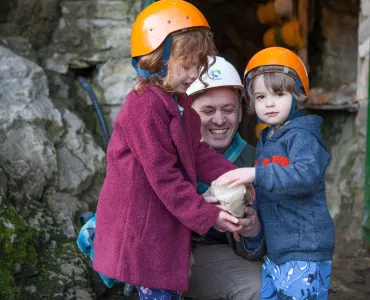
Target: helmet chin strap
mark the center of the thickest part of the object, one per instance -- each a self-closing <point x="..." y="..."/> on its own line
<point x="167" y="43"/>
<point x="165" y="58"/>
<point x="293" y="114"/>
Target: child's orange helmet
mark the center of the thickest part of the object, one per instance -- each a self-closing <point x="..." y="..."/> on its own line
<point x="277" y="59"/>
<point x="158" y="20"/>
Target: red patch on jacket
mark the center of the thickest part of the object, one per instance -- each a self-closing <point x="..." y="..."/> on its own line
<point x="280" y="160"/>
<point x="265" y="161"/>
<point x="276" y="159"/>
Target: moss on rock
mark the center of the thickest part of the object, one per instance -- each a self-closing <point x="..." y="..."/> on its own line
<point x="8" y="288"/>
<point x="17" y="246"/>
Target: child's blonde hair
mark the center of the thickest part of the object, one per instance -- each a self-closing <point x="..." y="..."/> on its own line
<point x="185" y="46"/>
<point x="277" y="82"/>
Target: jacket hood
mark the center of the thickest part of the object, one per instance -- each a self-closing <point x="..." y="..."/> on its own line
<point x="311" y="123"/>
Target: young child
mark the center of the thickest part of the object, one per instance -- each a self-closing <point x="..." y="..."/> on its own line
<point x="149" y="204"/>
<point x="289" y="178"/>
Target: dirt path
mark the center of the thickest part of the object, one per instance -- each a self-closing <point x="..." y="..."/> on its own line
<point x="351" y="275"/>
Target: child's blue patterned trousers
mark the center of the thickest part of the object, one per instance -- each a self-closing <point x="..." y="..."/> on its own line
<point x="295" y="280"/>
<point x="153" y="294"/>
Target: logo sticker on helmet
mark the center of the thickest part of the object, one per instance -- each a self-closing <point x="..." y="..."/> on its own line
<point x="216" y="74"/>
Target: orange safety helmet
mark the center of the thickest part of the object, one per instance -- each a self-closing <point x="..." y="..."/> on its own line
<point x="277" y="59"/>
<point x="158" y="20"/>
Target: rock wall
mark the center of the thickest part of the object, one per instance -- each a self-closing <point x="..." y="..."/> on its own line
<point x="53" y="170"/>
<point x="88" y="33"/>
<point x="51" y="166"/>
<point x="69" y="37"/>
<point x="339" y="133"/>
<point x="339" y="26"/>
<point x="345" y="133"/>
<point x="34" y="20"/>
<point x="111" y="82"/>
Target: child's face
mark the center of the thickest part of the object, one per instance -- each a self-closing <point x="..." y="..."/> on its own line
<point x="181" y="77"/>
<point x="271" y="107"/>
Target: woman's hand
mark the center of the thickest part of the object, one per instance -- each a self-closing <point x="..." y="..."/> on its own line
<point x="226" y="222"/>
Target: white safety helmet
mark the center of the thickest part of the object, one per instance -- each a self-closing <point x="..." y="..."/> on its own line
<point x="221" y="73"/>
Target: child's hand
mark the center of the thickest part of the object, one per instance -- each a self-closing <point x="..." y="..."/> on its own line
<point x="237" y="177"/>
<point x="227" y="222"/>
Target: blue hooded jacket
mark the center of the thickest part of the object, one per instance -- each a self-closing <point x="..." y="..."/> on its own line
<point x="290" y="188"/>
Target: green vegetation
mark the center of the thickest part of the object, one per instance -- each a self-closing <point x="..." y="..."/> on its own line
<point x="17" y="246"/>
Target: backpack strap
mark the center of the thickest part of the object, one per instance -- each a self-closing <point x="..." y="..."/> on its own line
<point x="91" y="233"/>
<point x="85" y="217"/>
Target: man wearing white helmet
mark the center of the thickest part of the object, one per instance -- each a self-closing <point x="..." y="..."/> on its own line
<point x="225" y="268"/>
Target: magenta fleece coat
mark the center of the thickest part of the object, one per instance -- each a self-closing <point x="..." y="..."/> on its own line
<point x="149" y="204"/>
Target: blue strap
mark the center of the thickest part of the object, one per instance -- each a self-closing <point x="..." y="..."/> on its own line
<point x="293" y="113"/>
<point x="91" y="232"/>
<point x="165" y="58"/>
<point x="166" y="55"/>
<point x="142" y="73"/>
<point x="86" y="217"/>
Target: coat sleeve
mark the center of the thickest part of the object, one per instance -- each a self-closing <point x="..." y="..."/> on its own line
<point x="210" y="165"/>
<point x="241" y="249"/>
<point x="146" y="126"/>
<point x="256" y="254"/>
<point x="308" y="160"/>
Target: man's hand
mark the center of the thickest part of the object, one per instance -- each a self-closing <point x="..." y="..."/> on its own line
<point x="250" y="224"/>
<point x="227" y="222"/>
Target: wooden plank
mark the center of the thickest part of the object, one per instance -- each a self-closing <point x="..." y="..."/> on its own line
<point x="363" y="67"/>
<point x="348" y="107"/>
<point x="364" y="48"/>
<point x="364" y="30"/>
<point x="362" y="80"/>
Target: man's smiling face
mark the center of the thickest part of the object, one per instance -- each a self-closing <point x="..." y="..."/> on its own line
<point x="220" y="113"/>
